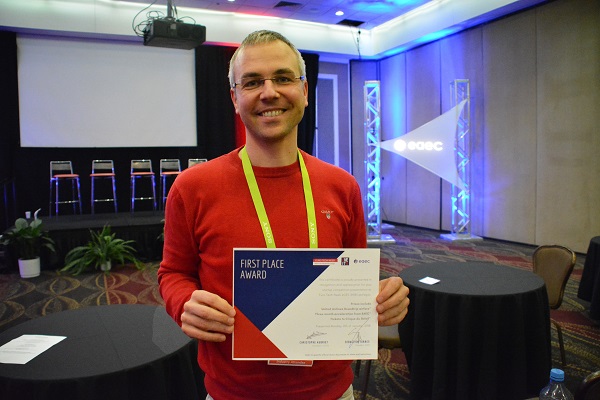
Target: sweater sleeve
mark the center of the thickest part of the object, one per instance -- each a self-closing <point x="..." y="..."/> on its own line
<point x="178" y="271"/>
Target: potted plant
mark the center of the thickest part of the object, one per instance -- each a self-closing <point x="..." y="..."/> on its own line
<point x="101" y="251"/>
<point x="28" y="239"/>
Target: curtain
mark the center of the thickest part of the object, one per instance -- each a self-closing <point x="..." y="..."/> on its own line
<point x="9" y="102"/>
<point x="9" y="127"/>
<point x="214" y="109"/>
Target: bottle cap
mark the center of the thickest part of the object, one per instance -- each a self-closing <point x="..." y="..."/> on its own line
<point x="557" y="375"/>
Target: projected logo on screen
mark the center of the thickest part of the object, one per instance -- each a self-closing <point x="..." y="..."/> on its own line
<point x="432" y="146"/>
<point x="402" y="145"/>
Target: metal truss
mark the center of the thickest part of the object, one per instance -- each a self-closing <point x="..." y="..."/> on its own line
<point x="461" y="199"/>
<point x="373" y="158"/>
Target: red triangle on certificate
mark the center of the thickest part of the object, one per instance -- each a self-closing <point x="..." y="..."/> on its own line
<point x="250" y="342"/>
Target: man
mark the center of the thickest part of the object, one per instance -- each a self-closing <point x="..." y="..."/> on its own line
<point x="211" y="210"/>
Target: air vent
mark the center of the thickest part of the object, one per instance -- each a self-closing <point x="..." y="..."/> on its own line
<point x="350" y="22"/>
<point x="287" y="4"/>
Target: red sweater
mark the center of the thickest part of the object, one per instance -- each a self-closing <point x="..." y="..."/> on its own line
<point x="209" y="212"/>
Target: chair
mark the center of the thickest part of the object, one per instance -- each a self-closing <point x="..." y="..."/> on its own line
<point x="169" y="167"/>
<point x="194" y="161"/>
<point x="103" y="170"/>
<point x="388" y="338"/>
<point x="589" y="388"/>
<point x="142" y="169"/>
<point x="554" y="264"/>
<point x="62" y="171"/>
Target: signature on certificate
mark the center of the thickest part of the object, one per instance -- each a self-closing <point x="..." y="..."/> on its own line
<point x="355" y="334"/>
<point x="315" y="334"/>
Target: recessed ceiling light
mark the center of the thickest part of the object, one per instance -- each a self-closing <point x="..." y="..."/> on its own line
<point x="339" y="13"/>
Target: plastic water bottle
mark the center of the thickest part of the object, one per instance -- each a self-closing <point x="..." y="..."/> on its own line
<point x="556" y="389"/>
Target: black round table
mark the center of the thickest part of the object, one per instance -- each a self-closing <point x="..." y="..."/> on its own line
<point x="481" y="332"/>
<point x="589" y="286"/>
<point x="110" y="352"/>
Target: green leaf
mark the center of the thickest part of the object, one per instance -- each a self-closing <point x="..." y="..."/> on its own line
<point x="103" y="246"/>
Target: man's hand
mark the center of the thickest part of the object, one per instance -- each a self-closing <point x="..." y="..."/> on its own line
<point x="207" y="317"/>
<point x="392" y="301"/>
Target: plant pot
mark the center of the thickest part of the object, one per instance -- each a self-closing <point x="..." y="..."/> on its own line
<point x="29" y="268"/>
<point x="105" y="266"/>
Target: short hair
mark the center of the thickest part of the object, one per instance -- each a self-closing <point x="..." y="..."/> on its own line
<point x="262" y="37"/>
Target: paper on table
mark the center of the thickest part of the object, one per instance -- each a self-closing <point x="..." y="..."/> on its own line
<point x="429" y="280"/>
<point x="23" y="349"/>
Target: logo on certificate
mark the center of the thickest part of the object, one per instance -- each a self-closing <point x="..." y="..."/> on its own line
<point x="345" y="261"/>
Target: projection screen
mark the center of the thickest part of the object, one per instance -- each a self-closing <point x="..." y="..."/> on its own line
<point x="93" y="93"/>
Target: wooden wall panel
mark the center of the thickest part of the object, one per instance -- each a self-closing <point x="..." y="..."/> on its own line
<point x="423" y="99"/>
<point x="568" y="110"/>
<point x="509" y="148"/>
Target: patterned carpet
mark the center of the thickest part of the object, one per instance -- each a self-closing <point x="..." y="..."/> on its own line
<point x="24" y="299"/>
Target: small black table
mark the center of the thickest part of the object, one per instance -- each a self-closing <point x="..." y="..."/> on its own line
<point x="111" y="352"/>
<point x="482" y="332"/>
<point x="589" y="286"/>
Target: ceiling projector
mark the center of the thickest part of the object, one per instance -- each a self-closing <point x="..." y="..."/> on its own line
<point x="168" y="32"/>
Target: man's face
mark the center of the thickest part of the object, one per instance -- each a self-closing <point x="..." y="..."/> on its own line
<point x="270" y="111"/>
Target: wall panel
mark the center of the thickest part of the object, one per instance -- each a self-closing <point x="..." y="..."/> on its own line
<point x="568" y="153"/>
<point x="393" y="125"/>
<point x="423" y="97"/>
<point x="343" y="90"/>
<point x="509" y="167"/>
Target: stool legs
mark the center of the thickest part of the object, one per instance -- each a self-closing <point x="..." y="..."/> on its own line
<point x="94" y="200"/>
<point x="55" y="195"/>
<point x="132" y="184"/>
<point x="114" y="188"/>
<point x="164" y="190"/>
<point x="164" y="183"/>
<point x="134" y="178"/>
<point x="50" y="202"/>
<point x="75" y="186"/>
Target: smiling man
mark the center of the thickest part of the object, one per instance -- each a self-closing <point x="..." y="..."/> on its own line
<point x="267" y="193"/>
<point x="270" y="96"/>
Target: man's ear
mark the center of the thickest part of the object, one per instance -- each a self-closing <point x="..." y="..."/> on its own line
<point x="305" y="93"/>
<point x="234" y="100"/>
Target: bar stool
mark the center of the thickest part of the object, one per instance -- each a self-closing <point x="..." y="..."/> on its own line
<point x="141" y="169"/>
<point x="103" y="170"/>
<point x="194" y="161"/>
<point x="63" y="171"/>
<point x="169" y="167"/>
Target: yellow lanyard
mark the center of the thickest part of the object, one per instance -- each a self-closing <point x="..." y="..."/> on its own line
<point x="260" y="207"/>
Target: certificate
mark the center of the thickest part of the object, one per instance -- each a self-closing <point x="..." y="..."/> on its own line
<point x="305" y="304"/>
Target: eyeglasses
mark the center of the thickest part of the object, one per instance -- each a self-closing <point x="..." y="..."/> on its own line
<point x="253" y="83"/>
